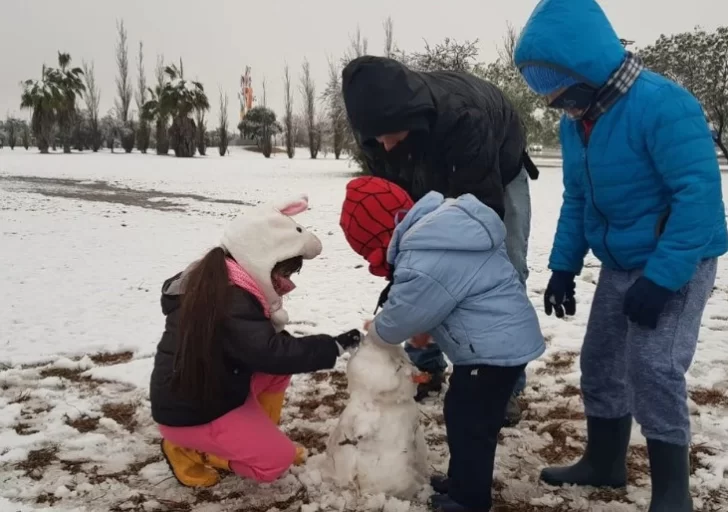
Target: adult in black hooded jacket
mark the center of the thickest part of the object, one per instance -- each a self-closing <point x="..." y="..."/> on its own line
<point x="446" y="131"/>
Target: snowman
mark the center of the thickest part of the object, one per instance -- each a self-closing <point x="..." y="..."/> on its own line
<point x="378" y="445"/>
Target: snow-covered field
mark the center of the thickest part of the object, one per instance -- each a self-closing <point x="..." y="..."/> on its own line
<point x="85" y="243"/>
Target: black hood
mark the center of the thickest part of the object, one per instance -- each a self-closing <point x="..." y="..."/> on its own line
<point x="384" y="96"/>
<point x="172" y="291"/>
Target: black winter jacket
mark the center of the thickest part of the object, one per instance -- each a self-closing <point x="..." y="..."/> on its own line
<point x="248" y="343"/>
<point x="465" y="136"/>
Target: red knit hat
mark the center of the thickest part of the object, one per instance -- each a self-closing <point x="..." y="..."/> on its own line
<point x="372" y="208"/>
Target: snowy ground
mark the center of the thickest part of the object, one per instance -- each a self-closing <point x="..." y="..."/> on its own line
<point x="85" y="243"/>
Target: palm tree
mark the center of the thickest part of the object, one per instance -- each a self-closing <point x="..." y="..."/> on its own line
<point x="178" y="98"/>
<point x="43" y="97"/>
<point x="154" y="110"/>
<point x="71" y="84"/>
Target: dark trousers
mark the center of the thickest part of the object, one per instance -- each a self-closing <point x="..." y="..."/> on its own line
<point x="475" y="404"/>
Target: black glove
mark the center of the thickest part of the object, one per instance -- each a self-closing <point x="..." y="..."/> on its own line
<point x="349" y="339"/>
<point x="559" y="295"/>
<point x="644" y="302"/>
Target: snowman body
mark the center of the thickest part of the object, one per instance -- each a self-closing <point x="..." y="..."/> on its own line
<point x="378" y="446"/>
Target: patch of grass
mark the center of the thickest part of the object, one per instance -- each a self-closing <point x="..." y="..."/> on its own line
<point x="21" y="398"/>
<point x="709" y="397"/>
<point x="206" y="496"/>
<point x="559" y="449"/>
<point x="561" y="412"/>
<point x="696" y="451"/>
<point x="46" y="498"/>
<point x="338" y="380"/>
<point x="37" y="461"/>
<point x="300" y="497"/>
<point x="62" y="373"/>
<point x="320" y="376"/>
<point x="436" y="439"/>
<point x="122" y="476"/>
<point x="83" y="424"/>
<point x="109" y="358"/>
<point x="308" y="407"/>
<point x="24" y="429"/>
<point x="122" y="413"/>
<point x="74" y="467"/>
<point x="608" y="495"/>
<point x="638" y="465"/>
<point x="309" y="438"/>
<point x="560" y="362"/>
<point x="336" y="401"/>
<point x="570" y="390"/>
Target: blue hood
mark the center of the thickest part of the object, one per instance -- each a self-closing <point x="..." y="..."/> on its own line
<point x="572" y="36"/>
<point x="438" y="224"/>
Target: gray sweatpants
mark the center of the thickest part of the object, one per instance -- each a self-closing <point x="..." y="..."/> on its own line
<point x="627" y="369"/>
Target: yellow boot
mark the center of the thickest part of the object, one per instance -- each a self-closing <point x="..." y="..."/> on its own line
<point x="216" y="462"/>
<point x="301" y="455"/>
<point x="272" y="404"/>
<point x="188" y="466"/>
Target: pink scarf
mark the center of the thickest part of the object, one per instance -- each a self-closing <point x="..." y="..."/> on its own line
<point x="240" y="278"/>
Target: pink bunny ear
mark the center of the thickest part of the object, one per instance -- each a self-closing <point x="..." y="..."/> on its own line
<point x="294" y="206"/>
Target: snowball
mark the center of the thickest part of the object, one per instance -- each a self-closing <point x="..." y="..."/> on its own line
<point x="378" y="445"/>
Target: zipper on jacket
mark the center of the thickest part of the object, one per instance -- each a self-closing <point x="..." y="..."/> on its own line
<point x="585" y="142"/>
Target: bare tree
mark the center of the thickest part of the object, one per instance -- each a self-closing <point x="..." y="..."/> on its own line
<point x="93" y="98"/>
<point x="507" y="49"/>
<point x="223" y="124"/>
<point x="143" y="131"/>
<point x="335" y="110"/>
<point x="160" y="129"/>
<point x="389" y="37"/>
<point x="124" y="88"/>
<point x="201" y="131"/>
<point x="288" y="127"/>
<point x="308" y="91"/>
<point x="267" y="138"/>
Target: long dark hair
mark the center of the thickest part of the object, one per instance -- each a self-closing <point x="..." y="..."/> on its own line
<point x="204" y="304"/>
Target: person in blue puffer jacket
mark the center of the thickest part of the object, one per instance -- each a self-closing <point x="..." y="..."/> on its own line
<point x="642" y="190"/>
<point x="451" y="278"/>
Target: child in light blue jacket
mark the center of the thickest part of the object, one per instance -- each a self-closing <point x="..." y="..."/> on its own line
<point x="450" y="277"/>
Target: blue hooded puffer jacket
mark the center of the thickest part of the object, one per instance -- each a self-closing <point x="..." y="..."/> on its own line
<point x="645" y="191"/>
<point x="453" y="280"/>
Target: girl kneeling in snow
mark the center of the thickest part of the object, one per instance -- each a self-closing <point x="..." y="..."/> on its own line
<point x="450" y="277"/>
<point x="224" y="361"/>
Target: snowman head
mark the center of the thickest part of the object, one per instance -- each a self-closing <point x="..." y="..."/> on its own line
<point x="382" y="374"/>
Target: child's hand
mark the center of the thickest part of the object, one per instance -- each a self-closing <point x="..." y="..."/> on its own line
<point x="367" y="325"/>
<point x="420" y="340"/>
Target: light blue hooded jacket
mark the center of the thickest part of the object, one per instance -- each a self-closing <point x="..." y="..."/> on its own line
<point x="645" y="191"/>
<point x="453" y="280"/>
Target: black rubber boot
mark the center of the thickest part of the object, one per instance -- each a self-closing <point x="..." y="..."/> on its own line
<point x="670" y="474"/>
<point x="440" y="484"/>
<point x="513" y="413"/>
<point x="604" y="463"/>
<point x="433" y="386"/>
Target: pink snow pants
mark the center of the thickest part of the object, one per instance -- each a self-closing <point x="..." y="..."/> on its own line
<point x="245" y="436"/>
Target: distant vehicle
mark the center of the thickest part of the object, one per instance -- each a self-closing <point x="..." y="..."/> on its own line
<point x="535" y="148"/>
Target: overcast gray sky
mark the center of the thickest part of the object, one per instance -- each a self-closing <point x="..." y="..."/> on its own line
<point x="218" y="38"/>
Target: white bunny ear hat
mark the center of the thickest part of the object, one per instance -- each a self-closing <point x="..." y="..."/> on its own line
<point x="265" y="236"/>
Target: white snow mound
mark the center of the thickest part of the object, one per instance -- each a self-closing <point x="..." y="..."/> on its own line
<point x="378" y="446"/>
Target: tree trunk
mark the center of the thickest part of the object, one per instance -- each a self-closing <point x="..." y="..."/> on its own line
<point x="162" y="137"/>
<point x="182" y="137"/>
<point x="43" y="128"/>
<point x="722" y="147"/>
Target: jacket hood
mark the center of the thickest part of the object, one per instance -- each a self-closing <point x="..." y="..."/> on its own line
<point x="439" y="224"/>
<point x="172" y="291"/>
<point x="384" y="96"/>
<point x="572" y="36"/>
